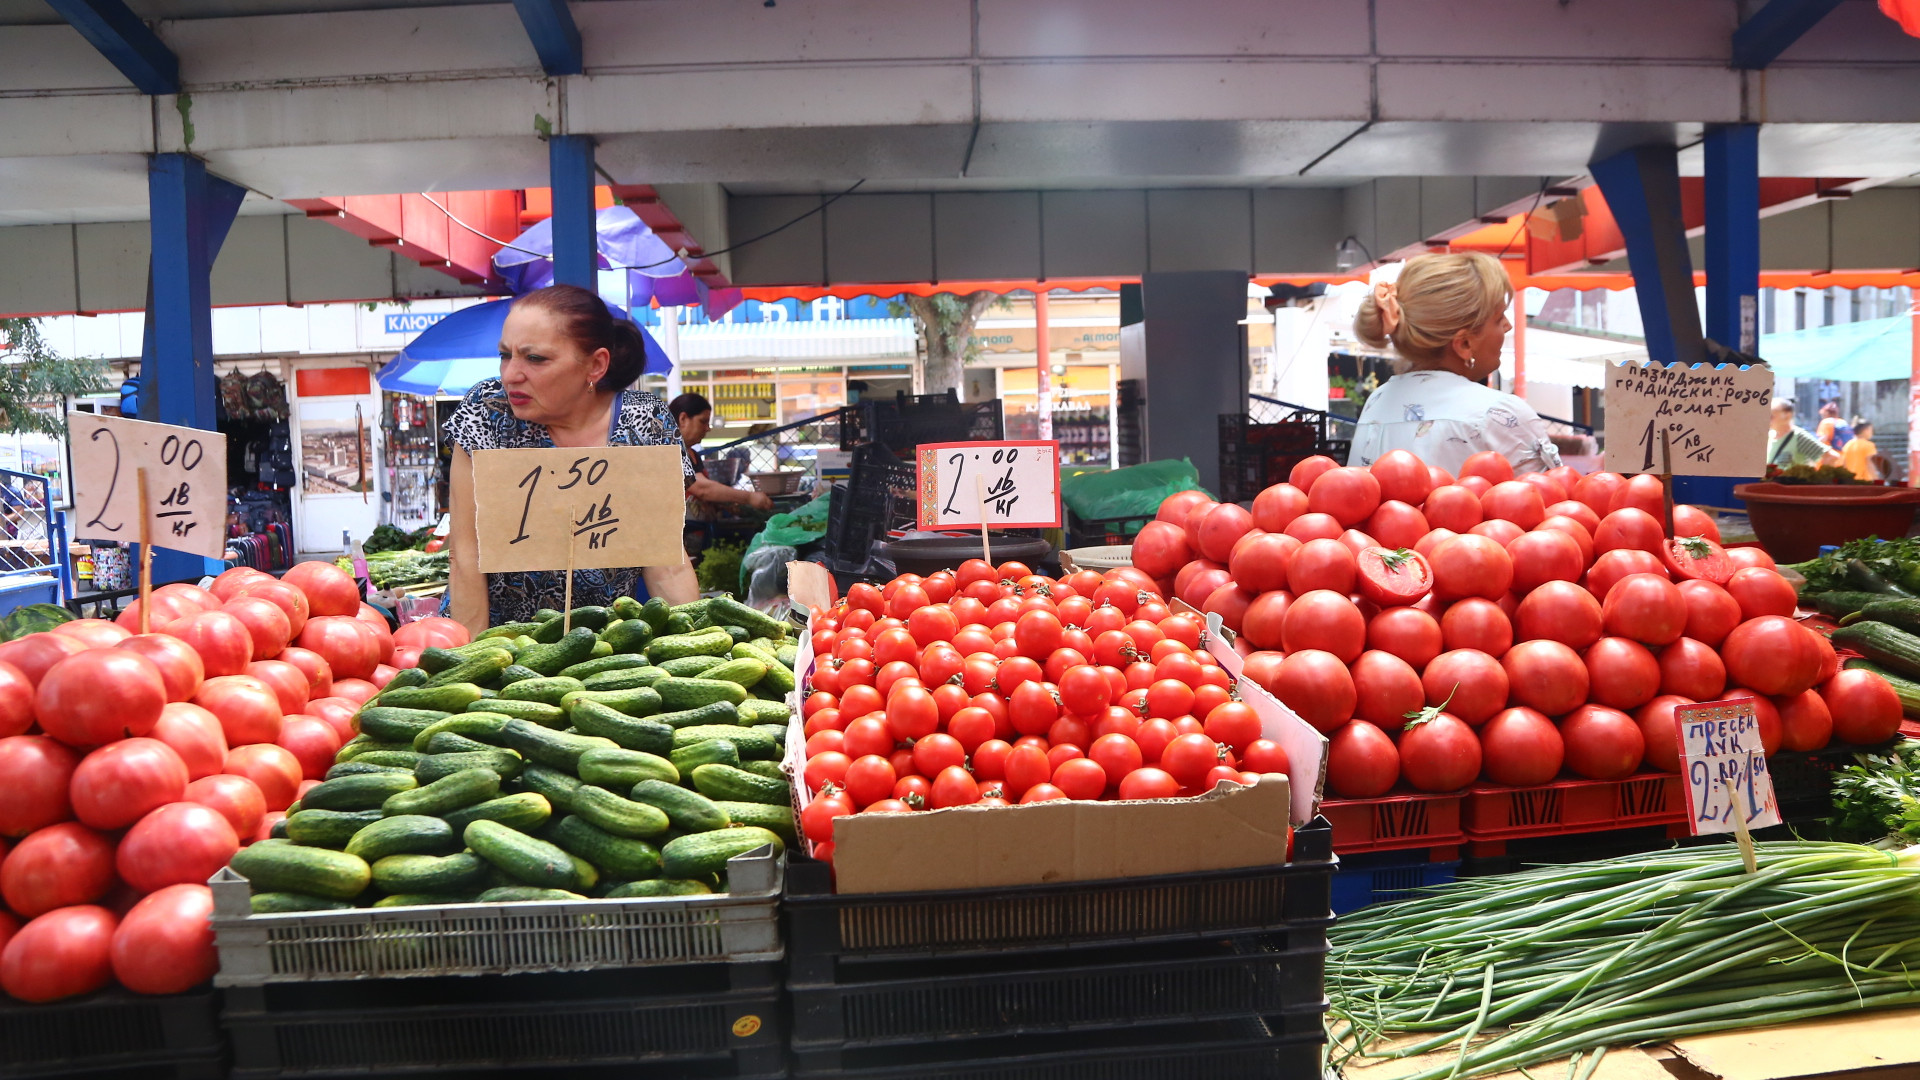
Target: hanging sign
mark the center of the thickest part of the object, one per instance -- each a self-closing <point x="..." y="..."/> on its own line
<point x="186" y="482"/>
<point x="560" y="507"/>
<point x="1715" y="418"/>
<point x="1004" y="485"/>
<point x="1728" y="786"/>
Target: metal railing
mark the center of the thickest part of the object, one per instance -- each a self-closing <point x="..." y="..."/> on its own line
<point x="33" y="536"/>
<point x="788" y="446"/>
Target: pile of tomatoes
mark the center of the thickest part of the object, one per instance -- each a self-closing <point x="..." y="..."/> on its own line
<point x="994" y="685"/>
<point x="133" y="766"/>
<point x="1444" y="630"/>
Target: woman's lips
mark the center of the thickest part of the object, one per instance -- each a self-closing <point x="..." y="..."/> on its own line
<point x="518" y="399"/>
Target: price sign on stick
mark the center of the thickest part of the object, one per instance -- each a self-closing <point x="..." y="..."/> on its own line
<point x="186" y="483"/>
<point x="570" y="507"/>
<point x="1728" y="786"/>
<point x="1006" y="485"/>
<point x="1715" y="419"/>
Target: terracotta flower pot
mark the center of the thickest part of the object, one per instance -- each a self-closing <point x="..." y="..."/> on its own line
<point x="1792" y="521"/>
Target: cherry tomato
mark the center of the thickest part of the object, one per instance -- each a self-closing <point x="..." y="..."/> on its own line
<point x="975" y="570"/>
<point x="882" y="806"/>
<point x="1183" y="628"/>
<point x="1265" y="756"/>
<point x="1080" y="778"/>
<point x="1084" y="691"/>
<point x="1153" y="737"/>
<point x="866" y="597"/>
<point x="913" y="790"/>
<point x="937" y="752"/>
<point x="1058" y="754"/>
<point x="815" y="702"/>
<point x="870" y="734"/>
<point x="1042" y="792"/>
<point x="980" y="673"/>
<point x="869" y="779"/>
<point x="1188" y="757"/>
<point x="954" y="786"/>
<point x="1115" y="720"/>
<point x="1233" y="724"/>
<point x="941" y="662"/>
<point x="935" y="622"/>
<point x="1074" y="611"/>
<point x="1104" y="618"/>
<point x="1037" y="632"/>
<point x="990" y="759"/>
<point x="1149" y="783"/>
<point x="896" y="673"/>
<point x="1144" y="634"/>
<point x="1015" y="671"/>
<point x="1209" y="696"/>
<point x="1061" y="660"/>
<point x="1168" y="698"/>
<point x="825" y="720"/>
<point x="1069" y="730"/>
<point x="855" y="672"/>
<point x="912" y="714"/>
<point x="971" y="726"/>
<point x="827" y="766"/>
<point x="816" y="820"/>
<point x="902" y="761"/>
<point x="997" y="705"/>
<point x="822" y="741"/>
<point x="1014" y="571"/>
<point x="1113" y="648"/>
<point x="1026" y="766"/>
<point x="1220" y="773"/>
<point x="1117" y="754"/>
<point x="1033" y="708"/>
<point x="1167" y="647"/>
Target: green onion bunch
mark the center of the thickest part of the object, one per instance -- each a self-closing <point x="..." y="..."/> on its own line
<point x="1565" y="961"/>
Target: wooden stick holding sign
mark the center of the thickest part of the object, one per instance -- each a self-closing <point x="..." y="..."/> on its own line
<point x="146" y="550"/>
<point x="1666" y="480"/>
<point x="980" y="500"/>
<point x="1740" y="831"/>
<point x="566" y="604"/>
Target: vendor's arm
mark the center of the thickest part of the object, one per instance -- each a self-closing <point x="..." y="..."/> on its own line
<point x="707" y="489"/>
<point x="1517" y="433"/>
<point x="466" y="585"/>
<point x="674" y="584"/>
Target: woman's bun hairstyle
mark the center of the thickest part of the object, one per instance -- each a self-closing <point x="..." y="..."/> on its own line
<point x="1368" y="326"/>
<point x="1438" y="296"/>
<point x="591" y="325"/>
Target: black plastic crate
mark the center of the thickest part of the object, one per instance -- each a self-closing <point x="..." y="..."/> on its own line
<point x="878" y="496"/>
<point x="1803" y="780"/>
<point x="1174" y="982"/>
<point x="826" y="930"/>
<point x="693" y="1022"/>
<point x="1098" y="532"/>
<point x="102" y="1033"/>
<point x="1282" y="1048"/>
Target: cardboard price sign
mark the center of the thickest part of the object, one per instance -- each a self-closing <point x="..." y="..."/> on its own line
<point x="970" y="485"/>
<point x="186" y="482"/>
<point x="1715" y="419"/>
<point x="561" y="507"/>
<point x="1728" y="786"/>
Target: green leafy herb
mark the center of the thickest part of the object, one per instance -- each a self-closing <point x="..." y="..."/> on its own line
<point x="1880" y="796"/>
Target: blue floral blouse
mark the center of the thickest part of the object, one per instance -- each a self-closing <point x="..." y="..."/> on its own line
<point x="484" y="421"/>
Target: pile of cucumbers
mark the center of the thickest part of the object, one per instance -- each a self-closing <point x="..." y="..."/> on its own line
<point x="632" y="754"/>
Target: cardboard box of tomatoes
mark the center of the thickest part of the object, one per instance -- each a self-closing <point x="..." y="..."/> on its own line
<point x="972" y="847"/>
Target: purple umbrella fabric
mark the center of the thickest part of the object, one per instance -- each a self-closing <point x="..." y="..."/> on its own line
<point x="654" y="271"/>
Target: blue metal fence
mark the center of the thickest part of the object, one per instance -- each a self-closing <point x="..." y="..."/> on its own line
<point x="33" y="542"/>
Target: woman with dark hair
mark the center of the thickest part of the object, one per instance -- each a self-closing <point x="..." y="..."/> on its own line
<point x="567" y="368"/>
<point x="694" y="415"/>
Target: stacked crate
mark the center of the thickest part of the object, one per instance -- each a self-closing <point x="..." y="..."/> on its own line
<point x="1218" y="973"/>
<point x="176" y="1036"/>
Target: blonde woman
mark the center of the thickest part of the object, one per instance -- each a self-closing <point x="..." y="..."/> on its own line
<point x="1446" y="318"/>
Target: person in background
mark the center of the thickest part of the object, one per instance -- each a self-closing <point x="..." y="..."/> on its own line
<point x="694" y="415"/>
<point x="1832" y="430"/>
<point x="1860" y="456"/>
<point x="1789" y="445"/>
<point x="1446" y="318"/>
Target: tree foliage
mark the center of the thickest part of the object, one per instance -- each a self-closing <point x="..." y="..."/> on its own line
<point x="945" y="323"/>
<point x="33" y="374"/>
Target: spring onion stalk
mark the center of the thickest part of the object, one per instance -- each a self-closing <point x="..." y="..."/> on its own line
<point x="1559" y="961"/>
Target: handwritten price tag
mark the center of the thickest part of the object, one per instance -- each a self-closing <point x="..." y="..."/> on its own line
<point x="1720" y="754"/>
<point x="1017" y="482"/>
<point x="613" y="506"/>
<point x="186" y="482"/>
<point x="1715" y="418"/>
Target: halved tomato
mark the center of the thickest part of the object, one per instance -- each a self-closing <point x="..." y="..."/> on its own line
<point x="1394" y="578"/>
<point x="1696" y="557"/>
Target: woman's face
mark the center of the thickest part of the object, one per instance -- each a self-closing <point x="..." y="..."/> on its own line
<point x="548" y="378"/>
<point x="1475" y="354"/>
<point x="695" y="428"/>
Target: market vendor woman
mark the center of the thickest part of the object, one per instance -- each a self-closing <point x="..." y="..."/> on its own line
<point x="567" y="367"/>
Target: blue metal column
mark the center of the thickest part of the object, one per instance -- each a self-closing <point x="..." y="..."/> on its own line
<point x="1642" y="188"/>
<point x="1733" y="235"/>
<point x="191" y="213"/>
<point x="570" y="169"/>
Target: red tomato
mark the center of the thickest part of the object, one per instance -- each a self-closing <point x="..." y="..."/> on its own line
<point x="1546" y="675"/>
<point x="1865" y="709"/>
<point x="1397" y="524"/>
<point x="909" y="599"/>
<point x="267" y="626"/>
<point x="181" y="669"/>
<point x="1513" y="501"/>
<point x="1466" y="683"/>
<point x="1632" y="528"/>
<point x="1642" y="491"/>
<point x="1470" y="565"/>
<point x="1401" y="476"/>
<point x="1386" y="689"/>
<point x="1265" y="756"/>
<point x="824" y="740"/>
<point x="17" y="696"/>
<point x="1452" y="507"/>
<point x="1439" y="754"/>
<point x="1660" y="730"/>
<point x="896" y="675"/>
<point x="825" y="767"/>
<point x="273" y="769"/>
<point x="1498" y="530"/>
<point x="1079" y="778"/>
<point x="195" y="735"/>
<point x="869" y="779"/>
<point x="1712" y="612"/>
<point x="1578" y="512"/>
<point x="870" y="734"/>
<point x="312" y="741"/>
<point x="1232" y="723"/>
<point x="1038" y="633"/>
<point x="1231" y="603"/>
<point x="1265" y="619"/>
<point x="223" y="641"/>
<point x="895" y="646"/>
<point x="289" y="598"/>
<point x="1309" y="470"/>
<point x="227" y="585"/>
<point x="954" y="786"/>
<point x="1647" y="608"/>
<point x="1477" y="624"/>
<point x="1693" y="670"/>
<point x="1032" y="707"/>
<point x="1490" y="464"/>
<point x="1773" y="655"/>
<point x="1362" y="762"/>
<point x="163" y="607"/>
<point x="1602" y="743"/>
<point x="816" y="818"/>
<point x="1690" y="557"/>
<point x="350" y="647"/>
<point x="1349" y="494"/>
<point x="181" y="843"/>
<point x="237" y="798"/>
<point x="1408" y="633"/>
<point x="35" y="772"/>
<point x="937" y="752"/>
<point x="1521" y="747"/>
<point x="1117" y="755"/>
<point x="100" y="695"/>
<point x="288" y="683"/>
<point x="330" y="590"/>
<point x="433" y="631"/>
<point x="94" y="633"/>
<point x="1764" y="713"/>
<point x="165" y="943"/>
<point x="1805" y="721"/>
<point x="62" y="954"/>
<point x="1479" y="485"/>
<point x="1326" y="621"/>
<point x="58" y="866"/>
<point x="1149" y="783"/>
<point x="338" y="712"/>
<point x="1161" y="548"/>
<point x="1749" y="555"/>
<point x="1222" y="527"/>
<point x="1612" y="566"/>
<point x="1276" y="506"/>
<point x="1581" y="536"/>
<point x="1760" y="591"/>
<point x="1317" y="686"/>
<point x="1394" y="578"/>
<point x="1042" y="792"/>
<point x="1187" y="758"/>
<point x="1542" y="556"/>
<point x="1621" y="673"/>
<point x="1084" y="691"/>
<point x="116" y="785"/>
<point x="1550" y="488"/>
<point x="1597" y="491"/>
<point x="974" y="570"/>
<point x="1560" y="611"/>
<point x="249" y="710"/>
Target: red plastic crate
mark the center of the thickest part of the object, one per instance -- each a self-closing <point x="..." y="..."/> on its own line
<point x="1393" y="822"/>
<point x="1573" y="806"/>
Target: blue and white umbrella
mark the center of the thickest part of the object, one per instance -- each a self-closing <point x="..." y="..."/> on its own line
<point x="464" y="348"/>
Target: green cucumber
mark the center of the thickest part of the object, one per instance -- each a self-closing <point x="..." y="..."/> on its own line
<point x="564" y="653"/>
<point x="1840" y="604"/>
<point x="521" y="894"/>
<point x="687" y="667"/>
<point x="639" y="701"/>
<point x="655" y="613"/>
<point x="738" y="785"/>
<point x="620" y="857"/>
<point x="730" y="612"/>
<point x="750" y="743"/>
<point x="626" y="678"/>
<point x="618" y="770"/>
<point x="619" y="662"/>
<point x="516" y="673"/>
<point x="483" y="727"/>
<point x="279" y="903"/>
<point x="621" y="817"/>
<point x="708" y="752"/>
<point x="699" y="854"/>
<point x="556" y="749"/>
<point x="678" y="623"/>
<point x="401" y="760"/>
<point x="658" y="887"/>
<point x="556" y="785"/>
<point x="1884" y="644"/>
<point x="395" y="725"/>
<point x="424" y="899"/>
<point x="788" y="655"/>
<point x="363" y="792"/>
<point x="507" y="630"/>
<point x="484" y="668"/>
<point x="631" y="732"/>
<point x="744" y="672"/>
<point x="740" y="634"/>
<point x="522" y="857"/>
<point x="547" y="690"/>
<point x="1904" y="614"/>
<point x="628" y="635"/>
<point x="525" y="811"/>
<point x="328" y="828"/>
<point x="406" y="677"/>
<point x="354" y="768"/>
<point x="410" y="834"/>
<point x="502" y="761"/>
<point x="776" y="819"/>
<point x="446" y="698"/>
<point x="720" y="713"/>
<point x="451" y="792"/>
<point x="312" y="871"/>
<point x="456" y="873"/>
<point x="551" y="716"/>
<point x="677" y="693"/>
<point x="452" y="742"/>
<point x="762" y="767"/>
<point x="625" y="607"/>
<point x="685" y="809"/>
<point x="705" y="642"/>
<point x="764" y="712"/>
